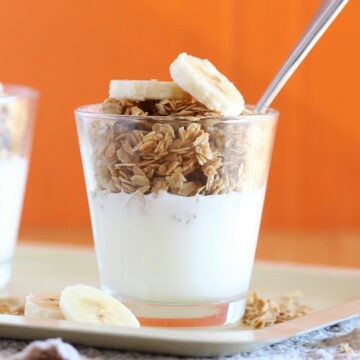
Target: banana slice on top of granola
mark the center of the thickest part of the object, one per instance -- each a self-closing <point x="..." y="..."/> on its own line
<point x="142" y="90"/>
<point x="206" y="84"/>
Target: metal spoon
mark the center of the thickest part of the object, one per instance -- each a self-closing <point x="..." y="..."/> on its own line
<point x="323" y="17"/>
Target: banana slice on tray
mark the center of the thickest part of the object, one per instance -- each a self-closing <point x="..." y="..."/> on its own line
<point x="206" y="84"/>
<point x="140" y="90"/>
<point x="45" y="306"/>
<point x="86" y="304"/>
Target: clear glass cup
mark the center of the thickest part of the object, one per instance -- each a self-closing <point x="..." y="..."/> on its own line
<point x="17" y="113"/>
<point x="176" y="207"/>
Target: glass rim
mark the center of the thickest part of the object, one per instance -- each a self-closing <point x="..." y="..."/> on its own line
<point x="16" y="91"/>
<point x="85" y="111"/>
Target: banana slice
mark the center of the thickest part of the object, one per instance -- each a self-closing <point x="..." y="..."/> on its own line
<point x="40" y="306"/>
<point x="206" y="84"/>
<point x="86" y="304"/>
<point x="140" y="90"/>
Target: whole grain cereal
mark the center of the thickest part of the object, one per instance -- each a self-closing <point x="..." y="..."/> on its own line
<point x="178" y="146"/>
<point x="261" y="312"/>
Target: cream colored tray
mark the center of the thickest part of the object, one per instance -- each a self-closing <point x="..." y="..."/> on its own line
<point x="333" y="291"/>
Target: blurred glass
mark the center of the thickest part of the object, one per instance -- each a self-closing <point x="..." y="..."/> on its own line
<point x="17" y="113"/>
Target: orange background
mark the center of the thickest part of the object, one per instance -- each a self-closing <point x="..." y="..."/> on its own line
<point x="70" y="50"/>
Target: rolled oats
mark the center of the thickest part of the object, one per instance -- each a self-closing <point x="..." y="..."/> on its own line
<point x="346" y="348"/>
<point x="11" y="306"/>
<point x="262" y="312"/>
<point x="178" y="146"/>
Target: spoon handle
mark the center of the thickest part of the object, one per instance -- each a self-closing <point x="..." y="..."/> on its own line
<point x="323" y="17"/>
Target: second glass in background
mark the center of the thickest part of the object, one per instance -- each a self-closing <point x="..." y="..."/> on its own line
<point x="17" y="112"/>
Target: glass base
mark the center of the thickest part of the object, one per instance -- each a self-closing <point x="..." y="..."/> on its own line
<point x="186" y="316"/>
<point x="5" y="273"/>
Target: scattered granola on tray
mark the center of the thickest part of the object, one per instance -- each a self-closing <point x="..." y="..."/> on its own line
<point x="11" y="306"/>
<point x="262" y="312"/>
<point x="346" y="348"/>
<point x="259" y="312"/>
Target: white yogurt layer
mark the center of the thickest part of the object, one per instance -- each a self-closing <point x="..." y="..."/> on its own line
<point x="13" y="172"/>
<point x="176" y="249"/>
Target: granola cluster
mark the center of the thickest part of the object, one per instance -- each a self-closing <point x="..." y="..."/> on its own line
<point x="346" y="348"/>
<point x="178" y="146"/>
<point x="166" y="107"/>
<point x="11" y="306"/>
<point x="262" y="312"/>
<point x="13" y="121"/>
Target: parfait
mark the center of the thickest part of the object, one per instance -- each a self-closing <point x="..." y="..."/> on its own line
<point x="176" y="175"/>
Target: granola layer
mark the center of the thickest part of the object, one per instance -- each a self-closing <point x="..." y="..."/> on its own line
<point x="178" y="146"/>
<point x="13" y="122"/>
